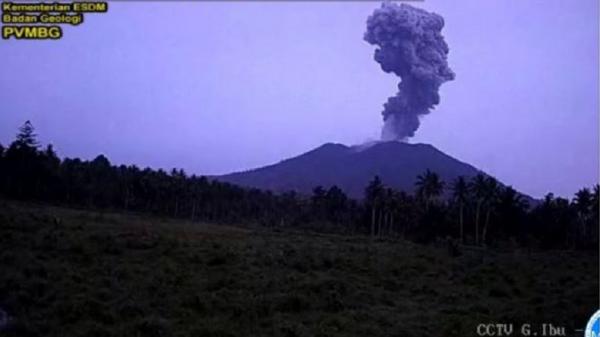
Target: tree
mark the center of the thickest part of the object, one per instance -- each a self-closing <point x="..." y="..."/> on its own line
<point x="49" y="174"/>
<point x="479" y="190"/>
<point x="406" y="212"/>
<point x="595" y="197"/>
<point x="391" y="207"/>
<point x="22" y="163"/>
<point x="101" y="182"/>
<point x="3" y="173"/>
<point x="373" y="198"/>
<point x="551" y="223"/>
<point x="511" y="209"/>
<point x="595" y="216"/>
<point x="28" y="172"/>
<point x="177" y="189"/>
<point x="583" y="204"/>
<point x="429" y="186"/>
<point x="491" y="195"/>
<point x="198" y="186"/>
<point x="336" y="203"/>
<point x="318" y="202"/>
<point x="26" y="136"/>
<point x="460" y="193"/>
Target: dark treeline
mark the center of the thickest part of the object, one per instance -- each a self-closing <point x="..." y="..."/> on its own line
<point x="476" y="211"/>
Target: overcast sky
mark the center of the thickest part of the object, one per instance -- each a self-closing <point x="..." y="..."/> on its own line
<point x="218" y="87"/>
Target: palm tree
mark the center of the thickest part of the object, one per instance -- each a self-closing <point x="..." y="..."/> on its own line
<point x="595" y="216"/>
<point x="510" y="198"/>
<point x="596" y="201"/>
<point x="429" y="186"/>
<point x="460" y="193"/>
<point x="391" y="205"/>
<point x="177" y="189"/>
<point x="373" y="196"/>
<point x="491" y="198"/>
<point x="548" y="200"/>
<point x="512" y="209"/>
<point x="479" y="190"/>
<point x="405" y="208"/>
<point x="583" y="203"/>
<point x="336" y="202"/>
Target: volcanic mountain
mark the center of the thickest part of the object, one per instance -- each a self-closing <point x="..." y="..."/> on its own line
<point x="351" y="168"/>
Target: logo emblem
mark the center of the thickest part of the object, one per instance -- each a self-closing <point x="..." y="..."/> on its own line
<point x="593" y="327"/>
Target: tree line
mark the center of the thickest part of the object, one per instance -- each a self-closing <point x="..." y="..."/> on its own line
<point x="471" y="210"/>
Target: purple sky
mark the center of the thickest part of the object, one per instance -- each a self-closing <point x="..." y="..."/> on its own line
<point x="219" y="87"/>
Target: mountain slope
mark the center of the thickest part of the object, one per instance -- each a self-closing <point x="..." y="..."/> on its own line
<point x="351" y="168"/>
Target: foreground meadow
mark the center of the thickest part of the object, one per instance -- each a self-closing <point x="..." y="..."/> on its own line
<point x="77" y="273"/>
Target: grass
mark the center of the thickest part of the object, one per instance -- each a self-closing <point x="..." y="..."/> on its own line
<point x="75" y="273"/>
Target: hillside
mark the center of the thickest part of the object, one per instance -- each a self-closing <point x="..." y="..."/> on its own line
<point x="77" y="273"/>
<point x="351" y="168"/>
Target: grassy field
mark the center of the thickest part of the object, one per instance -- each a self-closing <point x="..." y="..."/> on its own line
<point x="75" y="273"/>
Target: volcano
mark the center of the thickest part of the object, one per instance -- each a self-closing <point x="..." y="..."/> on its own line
<point x="352" y="167"/>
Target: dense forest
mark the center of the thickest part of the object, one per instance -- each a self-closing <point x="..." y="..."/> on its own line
<point x="481" y="211"/>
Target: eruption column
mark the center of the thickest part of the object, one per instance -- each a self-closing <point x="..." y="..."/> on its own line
<point x="410" y="45"/>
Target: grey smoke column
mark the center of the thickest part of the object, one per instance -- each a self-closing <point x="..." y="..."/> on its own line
<point x="410" y="45"/>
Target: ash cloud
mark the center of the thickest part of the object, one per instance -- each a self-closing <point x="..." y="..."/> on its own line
<point x="409" y="44"/>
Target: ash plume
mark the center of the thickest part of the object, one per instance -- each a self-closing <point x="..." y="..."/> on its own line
<point x="410" y="45"/>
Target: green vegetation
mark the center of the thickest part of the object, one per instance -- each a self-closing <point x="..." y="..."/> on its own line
<point x="150" y="253"/>
<point x="71" y="272"/>
<point x="472" y="210"/>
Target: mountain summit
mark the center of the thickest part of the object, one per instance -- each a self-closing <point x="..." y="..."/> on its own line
<point x="351" y="168"/>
